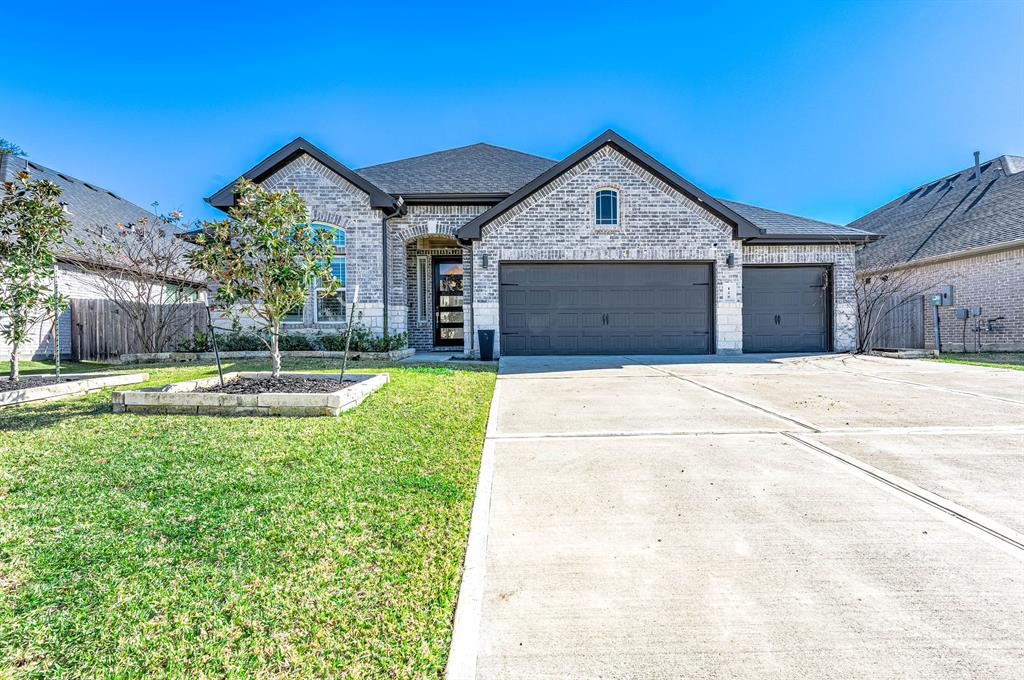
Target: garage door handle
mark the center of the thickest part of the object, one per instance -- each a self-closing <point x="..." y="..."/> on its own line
<point x="778" y="319"/>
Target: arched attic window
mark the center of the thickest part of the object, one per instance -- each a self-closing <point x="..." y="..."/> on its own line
<point x="606" y="207"/>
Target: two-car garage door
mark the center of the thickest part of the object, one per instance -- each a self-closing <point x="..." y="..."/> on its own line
<point x="606" y="308"/>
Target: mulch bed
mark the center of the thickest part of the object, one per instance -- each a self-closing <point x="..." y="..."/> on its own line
<point x="285" y="384"/>
<point x="27" y="381"/>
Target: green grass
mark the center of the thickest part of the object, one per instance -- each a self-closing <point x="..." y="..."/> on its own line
<point x="1014" y="360"/>
<point x="197" y="546"/>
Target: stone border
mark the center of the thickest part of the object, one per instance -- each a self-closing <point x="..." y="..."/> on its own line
<point x="181" y="397"/>
<point x="73" y="385"/>
<point x="174" y="357"/>
<point x="904" y="353"/>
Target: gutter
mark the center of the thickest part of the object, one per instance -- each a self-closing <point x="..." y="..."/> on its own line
<point x="946" y="257"/>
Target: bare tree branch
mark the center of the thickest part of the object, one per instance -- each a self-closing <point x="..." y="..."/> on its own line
<point x="142" y="268"/>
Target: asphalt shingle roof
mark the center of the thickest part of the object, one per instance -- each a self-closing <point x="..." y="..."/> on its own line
<point x="949" y="215"/>
<point x="474" y="169"/>
<point x="783" y="224"/>
<point x="88" y="205"/>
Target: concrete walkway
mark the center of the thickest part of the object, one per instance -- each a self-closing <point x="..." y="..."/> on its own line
<point x="810" y="517"/>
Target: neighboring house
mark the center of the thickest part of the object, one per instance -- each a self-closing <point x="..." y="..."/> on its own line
<point x="604" y="252"/>
<point x="965" y="230"/>
<point x="87" y="206"/>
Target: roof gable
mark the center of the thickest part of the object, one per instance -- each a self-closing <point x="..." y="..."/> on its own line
<point x="225" y="197"/>
<point x="742" y="227"/>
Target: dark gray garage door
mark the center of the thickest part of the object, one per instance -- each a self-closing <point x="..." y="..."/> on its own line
<point x="785" y="309"/>
<point x="605" y="308"/>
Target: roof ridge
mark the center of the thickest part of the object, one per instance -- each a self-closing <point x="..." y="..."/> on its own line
<point x="449" y="150"/>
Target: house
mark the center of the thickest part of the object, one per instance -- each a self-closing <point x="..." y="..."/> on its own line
<point x="962" y="233"/>
<point x="87" y="207"/>
<point x="606" y="251"/>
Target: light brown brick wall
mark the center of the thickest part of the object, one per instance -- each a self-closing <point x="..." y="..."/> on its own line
<point x="992" y="281"/>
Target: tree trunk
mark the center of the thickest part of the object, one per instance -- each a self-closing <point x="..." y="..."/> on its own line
<point x="15" y="372"/>
<point x="275" y="352"/>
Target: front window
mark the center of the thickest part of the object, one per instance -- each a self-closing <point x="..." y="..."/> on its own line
<point x="606" y="207"/>
<point x="331" y="308"/>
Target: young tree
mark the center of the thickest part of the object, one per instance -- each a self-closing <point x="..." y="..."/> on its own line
<point x="265" y="259"/>
<point x="142" y="268"/>
<point x="32" y="222"/>
<point x="879" y="294"/>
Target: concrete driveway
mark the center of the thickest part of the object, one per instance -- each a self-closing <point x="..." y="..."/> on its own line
<point x="809" y="517"/>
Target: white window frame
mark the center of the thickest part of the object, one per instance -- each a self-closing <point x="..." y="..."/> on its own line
<point x="314" y="294"/>
<point x="422" y="269"/>
<point x="340" y="252"/>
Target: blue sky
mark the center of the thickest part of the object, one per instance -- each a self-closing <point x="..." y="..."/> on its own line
<point x="824" y="109"/>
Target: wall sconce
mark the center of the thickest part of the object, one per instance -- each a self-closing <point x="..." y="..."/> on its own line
<point x="730" y="259"/>
<point x="485" y="261"/>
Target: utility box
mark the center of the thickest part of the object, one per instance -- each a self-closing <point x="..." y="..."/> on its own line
<point x="946" y="293"/>
<point x="962" y="313"/>
<point x="975" y="311"/>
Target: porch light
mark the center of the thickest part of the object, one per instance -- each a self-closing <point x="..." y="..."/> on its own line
<point x="485" y="260"/>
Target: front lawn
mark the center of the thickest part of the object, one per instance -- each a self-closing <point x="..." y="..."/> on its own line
<point x="210" y="546"/>
<point x="1014" y="360"/>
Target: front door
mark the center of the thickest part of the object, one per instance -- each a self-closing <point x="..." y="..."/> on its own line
<point x="448" y="330"/>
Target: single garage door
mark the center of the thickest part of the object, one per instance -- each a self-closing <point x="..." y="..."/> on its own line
<point x="785" y="309"/>
<point x="605" y="308"/>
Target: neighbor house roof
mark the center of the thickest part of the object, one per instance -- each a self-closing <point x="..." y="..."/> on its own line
<point x="477" y="169"/>
<point x="88" y="206"/>
<point x="949" y="215"/>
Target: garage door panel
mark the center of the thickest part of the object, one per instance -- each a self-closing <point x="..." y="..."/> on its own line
<point x="605" y="308"/>
<point x="785" y="309"/>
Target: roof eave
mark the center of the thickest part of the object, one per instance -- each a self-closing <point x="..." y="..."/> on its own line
<point x="811" y="239"/>
<point x="225" y="197"/>
<point x="742" y="227"/>
<point x="454" y="198"/>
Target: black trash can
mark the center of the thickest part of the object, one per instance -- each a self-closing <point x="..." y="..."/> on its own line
<point x="486" y="345"/>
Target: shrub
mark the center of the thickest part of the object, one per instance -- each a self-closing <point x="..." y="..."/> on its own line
<point x="240" y="341"/>
<point x="295" y="343"/>
<point x="199" y="342"/>
<point x="363" y="340"/>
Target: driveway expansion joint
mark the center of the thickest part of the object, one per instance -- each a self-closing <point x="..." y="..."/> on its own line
<point x="776" y="414"/>
<point x="912" y="491"/>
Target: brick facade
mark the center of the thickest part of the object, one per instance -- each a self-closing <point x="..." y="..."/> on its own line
<point x="656" y="222"/>
<point x="993" y="281"/>
<point x="842" y="259"/>
<point x="556" y="223"/>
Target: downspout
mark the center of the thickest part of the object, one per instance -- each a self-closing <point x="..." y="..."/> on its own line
<point x="399" y="211"/>
<point x="472" y="295"/>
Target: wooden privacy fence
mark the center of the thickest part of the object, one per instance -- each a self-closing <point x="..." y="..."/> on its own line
<point x="902" y="327"/>
<point x="99" y="330"/>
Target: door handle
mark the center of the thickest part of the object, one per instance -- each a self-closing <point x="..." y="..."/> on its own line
<point x="604" y="319"/>
<point x="778" y="319"/>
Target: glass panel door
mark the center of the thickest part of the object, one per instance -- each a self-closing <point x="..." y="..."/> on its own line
<point x="448" y="313"/>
